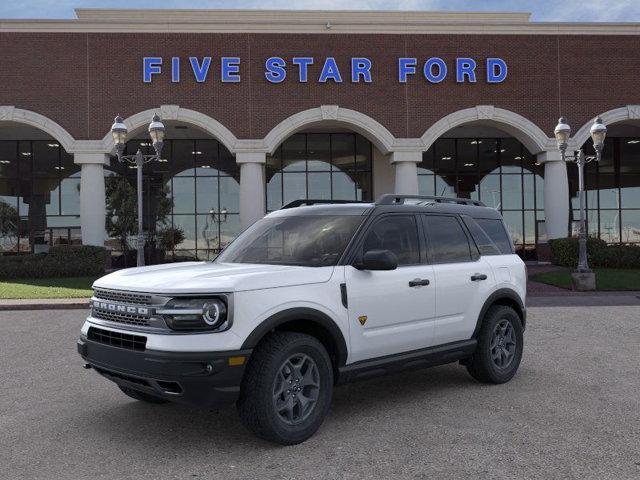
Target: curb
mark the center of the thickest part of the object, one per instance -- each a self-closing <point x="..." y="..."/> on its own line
<point x="79" y="305"/>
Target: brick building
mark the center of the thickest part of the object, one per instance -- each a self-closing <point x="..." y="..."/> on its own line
<point x="264" y="107"/>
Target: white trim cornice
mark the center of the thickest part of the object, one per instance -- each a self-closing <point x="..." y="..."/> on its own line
<point x="310" y="21"/>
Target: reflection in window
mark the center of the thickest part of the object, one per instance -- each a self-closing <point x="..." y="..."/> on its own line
<point x="328" y="166"/>
<point x="612" y="192"/>
<point x="499" y="172"/>
<point x="198" y="182"/>
<point x="39" y="196"/>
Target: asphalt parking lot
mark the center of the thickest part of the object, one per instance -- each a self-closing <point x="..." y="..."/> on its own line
<point x="573" y="411"/>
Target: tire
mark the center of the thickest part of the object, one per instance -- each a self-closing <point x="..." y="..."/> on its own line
<point x="500" y="345"/>
<point x="142" y="396"/>
<point x="271" y="401"/>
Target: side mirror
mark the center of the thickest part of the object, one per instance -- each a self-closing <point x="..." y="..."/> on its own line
<point x="378" y="260"/>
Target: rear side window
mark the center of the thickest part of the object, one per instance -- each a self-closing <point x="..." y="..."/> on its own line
<point x="447" y="240"/>
<point x="494" y="228"/>
<point x="398" y="234"/>
<point x="484" y="243"/>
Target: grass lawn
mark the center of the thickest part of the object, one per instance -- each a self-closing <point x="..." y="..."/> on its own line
<point x="73" y="287"/>
<point x="606" y="279"/>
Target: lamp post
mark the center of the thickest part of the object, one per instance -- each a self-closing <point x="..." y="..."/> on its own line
<point x="583" y="278"/>
<point x="156" y="132"/>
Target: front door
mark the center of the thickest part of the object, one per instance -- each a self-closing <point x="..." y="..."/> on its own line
<point x="391" y="311"/>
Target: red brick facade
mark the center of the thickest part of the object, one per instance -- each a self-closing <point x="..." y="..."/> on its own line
<point x="81" y="80"/>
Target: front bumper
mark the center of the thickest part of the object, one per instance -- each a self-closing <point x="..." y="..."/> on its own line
<point x="201" y="379"/>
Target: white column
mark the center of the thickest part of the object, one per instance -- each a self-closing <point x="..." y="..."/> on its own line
<point x="252" y="187"/>
<point x="406" y="166"/>
<point x="556" y="194"/>
<point x="92" y="198"/>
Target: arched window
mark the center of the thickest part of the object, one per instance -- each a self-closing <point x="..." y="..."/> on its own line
<point x="39" y="195"/>
<point x="331" y="166"/>
<point x="191" y="198"/>
<point x="499" y="172"/>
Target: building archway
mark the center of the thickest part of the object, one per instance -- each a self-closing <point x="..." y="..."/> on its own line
<point x="487" y="163"/>
<point x="519" y="127"/>
<point x="324" y="153"/>
<point x="612" y="186"/>
<point x="190" y="197"/>
<point x="39" y="184"/>
<point x="331" y="116"/>
<point x="627" y="114"/>
<point x="138" y="123"/>
<point x="9" y="113"/>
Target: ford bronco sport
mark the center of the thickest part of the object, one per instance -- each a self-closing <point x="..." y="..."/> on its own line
<point x="313" y="295"/>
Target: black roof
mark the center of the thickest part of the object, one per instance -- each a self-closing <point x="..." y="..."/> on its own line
<point x="392" y="203"/>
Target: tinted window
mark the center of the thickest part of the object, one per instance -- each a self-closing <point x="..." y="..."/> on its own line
<point x="448" y="242"/>
<point x="311" y="241"/>
<point x="397" y="234"/>
<point x="494" y="228"/>
<point x="484" y="243"/>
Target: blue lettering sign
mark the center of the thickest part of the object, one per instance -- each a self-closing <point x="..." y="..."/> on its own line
<point x="465" y="67"/>
<point x="230" y="69"/>
<point x="360" y="67"/>
<point x="200" y="71"/>
<point x="406" y="66"/>
<point x="303" y="67"/>
<point x="150" y="66"/>
<point x="428" y="70"/>
<point x="330" y="71"/>
<point x="276" y="72"/>
<point x="496" y="70"/>
<point x="175" y="69"/>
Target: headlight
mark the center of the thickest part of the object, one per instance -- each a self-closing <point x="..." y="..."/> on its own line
<point x="196" y="314"/>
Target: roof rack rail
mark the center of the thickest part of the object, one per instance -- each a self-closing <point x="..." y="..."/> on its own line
<point x="393" y="199"/>
<point x="309" y="201"/>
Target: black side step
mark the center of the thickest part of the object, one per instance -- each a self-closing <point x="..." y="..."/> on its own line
<point x="426" y="357"/>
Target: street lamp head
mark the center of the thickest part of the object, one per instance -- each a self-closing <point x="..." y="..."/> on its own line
<point x="562" y="133"/>
<point x="119" y="133"/>
<point x="156" y="132"/>
<point x="598" y="133"/>
<point x="223" y="214"/>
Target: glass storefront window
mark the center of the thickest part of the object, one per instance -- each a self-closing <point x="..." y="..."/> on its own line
<point x="39" y="196"/>
<point x="328" y="166"/>
<point x="612" y="191"/>
<point x="194" y="190"/>
<point x="499" y="172"/>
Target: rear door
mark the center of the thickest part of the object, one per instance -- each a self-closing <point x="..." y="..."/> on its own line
<point x="391" y="311"/>
<point x="463" y="279"/>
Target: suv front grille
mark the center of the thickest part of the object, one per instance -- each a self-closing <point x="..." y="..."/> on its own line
<point x="124" y="297"/>
<point x="117" y="339"/>
<point x="126" y="318"/>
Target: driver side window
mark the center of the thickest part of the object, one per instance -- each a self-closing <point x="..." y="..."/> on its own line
<point x="398" y="234"/>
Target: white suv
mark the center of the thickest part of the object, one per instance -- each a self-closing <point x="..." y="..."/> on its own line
<point x="311" y="296"/>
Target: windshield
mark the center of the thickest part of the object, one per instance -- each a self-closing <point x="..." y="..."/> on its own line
<point x="310" y="241"/>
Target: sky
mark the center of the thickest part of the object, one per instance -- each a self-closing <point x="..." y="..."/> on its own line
<point x="542" y="10"/>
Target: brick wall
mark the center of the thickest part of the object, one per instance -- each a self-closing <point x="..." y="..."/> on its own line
<point x="81" y="80"/>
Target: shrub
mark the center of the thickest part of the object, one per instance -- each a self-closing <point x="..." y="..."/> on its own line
<point x="61" y="261"/>
<point x="564" y="252"/>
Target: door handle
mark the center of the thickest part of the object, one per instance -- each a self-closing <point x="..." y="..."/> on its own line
<point x="478" y="276"/>
<point x="418" y="282"/>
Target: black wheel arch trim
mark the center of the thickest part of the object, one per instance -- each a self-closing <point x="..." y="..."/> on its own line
<point x="495" y="297"/>
<point x="300" y="314"/>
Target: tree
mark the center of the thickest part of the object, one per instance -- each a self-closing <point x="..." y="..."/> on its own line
<point x="9" y="222"/>
<point x="122" y="210"/>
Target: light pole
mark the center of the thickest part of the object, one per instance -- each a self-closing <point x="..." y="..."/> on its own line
<point x="583" y="278"/>
<point x="156" y="132"/>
